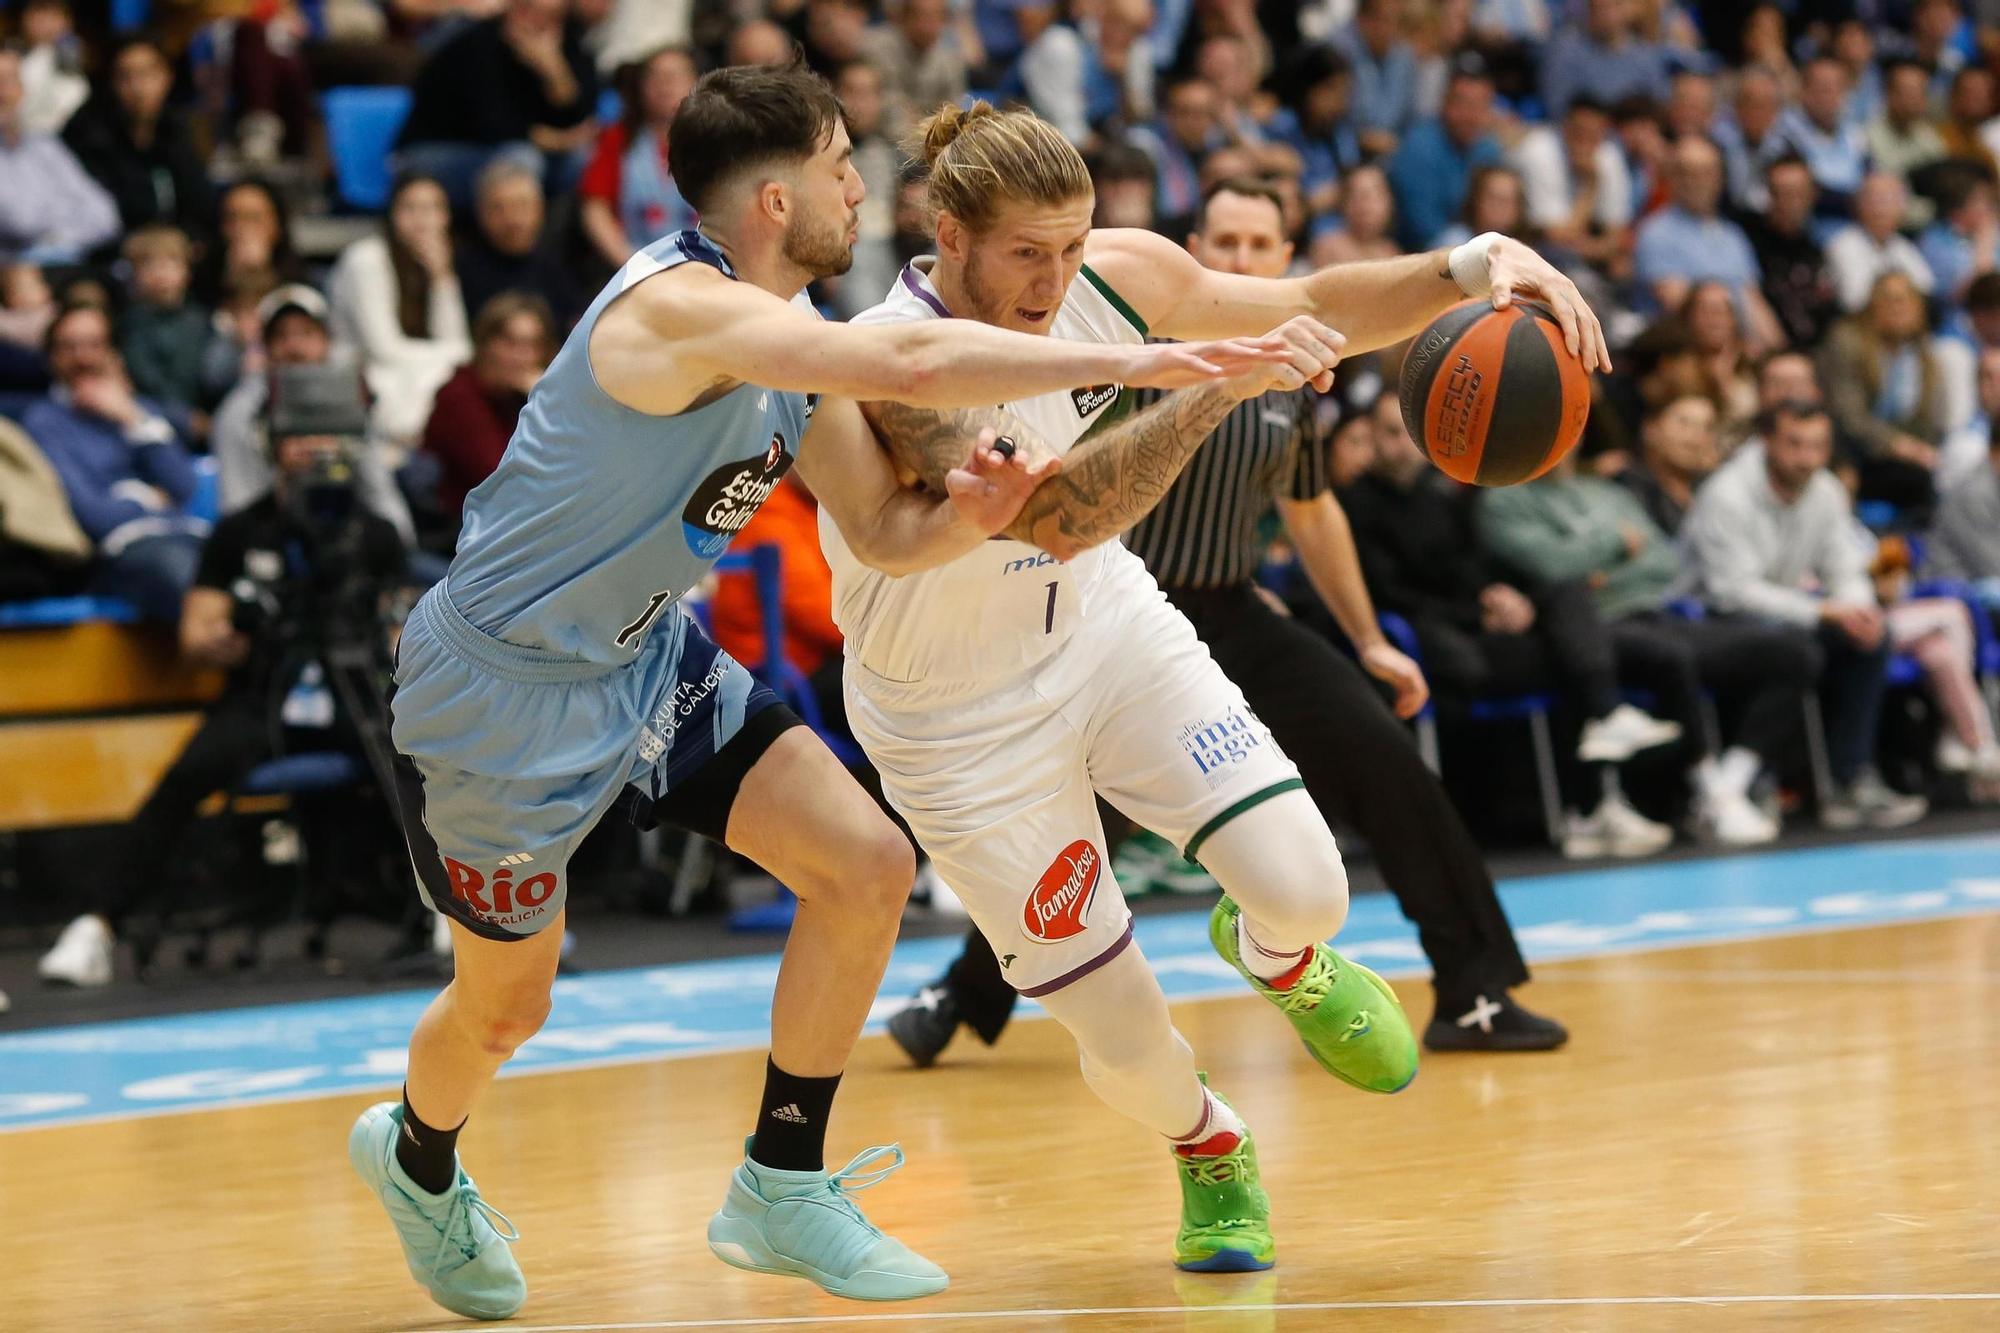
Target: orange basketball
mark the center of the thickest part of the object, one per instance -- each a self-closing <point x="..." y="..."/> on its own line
<point x="1493" y="395"/>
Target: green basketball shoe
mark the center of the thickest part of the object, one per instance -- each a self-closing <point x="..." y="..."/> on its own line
<point x="806" y="1224"/>
<point x="1225" y="1214"/>
<point x="1348" y="1018"/>
<point x="455" y="1243"/>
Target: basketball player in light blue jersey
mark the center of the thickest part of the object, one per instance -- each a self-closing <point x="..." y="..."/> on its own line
<point x="552" y="675"/>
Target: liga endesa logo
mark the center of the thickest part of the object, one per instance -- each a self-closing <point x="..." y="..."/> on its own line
<point x="497" y="899"/>
<point x="1061" y="899"/>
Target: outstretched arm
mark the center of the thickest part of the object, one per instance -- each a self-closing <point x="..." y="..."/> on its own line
<point x="899" y="531"/>
<point x="1113" y="479"/>
<point x="1374" y="302"/>
<point x="681" y="335"/>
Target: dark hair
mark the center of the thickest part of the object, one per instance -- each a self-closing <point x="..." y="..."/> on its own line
<point x="1957" y="183"/>
<point x="1890" y="66"/>
<point x="1635" y="106"/>
<point x="1307" y="68"/>
<point x="66" y="312"/>
<point x="503" y="308"/>
<point x="1798" y="409"/>
<point x="748" y="116"/>
<point x="1249" y="187"/>
<point x="413" y="280"/>
<point x="1787" y="159"/>
<point x="1118" y="161"/>
<point x="1585" y="102"/>
<point x="1984" y="293"/>
<point x="631" y="79"/>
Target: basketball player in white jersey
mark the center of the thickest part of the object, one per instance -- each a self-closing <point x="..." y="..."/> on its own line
<point x="998" y="693"/>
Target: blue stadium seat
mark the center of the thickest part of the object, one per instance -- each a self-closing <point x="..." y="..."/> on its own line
<point x="129" y="14"/>
<point x="293" y="774"/>
<point x="54" y="612"/>
<point x="361" y="129"/>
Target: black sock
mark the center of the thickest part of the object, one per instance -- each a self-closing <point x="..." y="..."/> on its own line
<point x="791" y="1124"/>
<point x="428" y="1156"/>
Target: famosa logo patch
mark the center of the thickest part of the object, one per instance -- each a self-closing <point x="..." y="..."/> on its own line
<point x="728" y="498"/>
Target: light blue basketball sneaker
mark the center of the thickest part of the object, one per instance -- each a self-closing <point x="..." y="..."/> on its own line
<point x="806" y="1224"/>
<point x="456" y="1244"/>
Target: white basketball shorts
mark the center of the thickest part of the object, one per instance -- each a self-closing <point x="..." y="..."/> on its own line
<point x="996" y="778"/>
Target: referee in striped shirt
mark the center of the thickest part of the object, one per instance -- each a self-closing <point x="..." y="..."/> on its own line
<point x="1359" y="763"/>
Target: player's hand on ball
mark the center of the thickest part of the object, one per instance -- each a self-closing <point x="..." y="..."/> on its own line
<point x="1312" y="350"/>
<point x="1185" y="365"/>
<point x="1390" y="666"/>
<point x="990" y="489"/>
<point x="1515" y="270"/>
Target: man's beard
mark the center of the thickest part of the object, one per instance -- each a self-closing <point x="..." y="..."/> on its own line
<point x="986" y="308"/>
<point x="819" y="249"/>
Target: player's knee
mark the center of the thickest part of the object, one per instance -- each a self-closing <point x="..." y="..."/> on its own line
<point x="883" y="868"/>
<point x="1309" y="900"/>
<point x="501" y="1024"/>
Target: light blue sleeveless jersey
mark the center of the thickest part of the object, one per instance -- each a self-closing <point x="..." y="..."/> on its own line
<point x="599" y="517"/>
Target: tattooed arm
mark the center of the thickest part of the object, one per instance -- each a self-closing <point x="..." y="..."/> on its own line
<point x="1113" y="479"/>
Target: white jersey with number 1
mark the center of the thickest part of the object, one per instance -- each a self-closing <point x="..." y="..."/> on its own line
<point x="999" y="610"/>
<point x="997" y="694"/>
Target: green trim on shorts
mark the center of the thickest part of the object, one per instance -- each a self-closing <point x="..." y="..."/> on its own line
<point x="1250" y="802"/>
<point x="1117" y="301"/>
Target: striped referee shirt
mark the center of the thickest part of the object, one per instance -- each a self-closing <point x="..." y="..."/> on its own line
<point x="1203" y="533"/>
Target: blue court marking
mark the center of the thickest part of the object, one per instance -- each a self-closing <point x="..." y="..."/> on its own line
<point x="279" y="1052"/>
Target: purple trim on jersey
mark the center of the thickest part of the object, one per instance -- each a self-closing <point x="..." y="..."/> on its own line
<point x="1076" y="974"/>
<point x="924" y="295"/>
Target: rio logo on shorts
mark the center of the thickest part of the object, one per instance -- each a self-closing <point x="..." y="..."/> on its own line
<point x="729" y="497"/>
<point x="496" y="899"/>
<point x="1061" y="899"/>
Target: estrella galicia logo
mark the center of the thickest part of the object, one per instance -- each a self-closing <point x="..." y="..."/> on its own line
<point x="1090" y="399"/>
<point x="729" y="497"/>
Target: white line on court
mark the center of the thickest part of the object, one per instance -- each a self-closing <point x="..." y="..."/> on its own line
<point x="1496" y="1303"/>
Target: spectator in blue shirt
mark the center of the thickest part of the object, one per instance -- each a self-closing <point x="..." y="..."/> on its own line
<point x="123" y="467"/>
<point x="1934" y="39"/>
<point x="1834" y="147"/>
<point x="1430" y="171"/>
<point x="1962" y="243"/>
<point x="1185" y="133"/>
<point x="1385" y="74"/>
<point x="1317" y="87"/>
<point x="1603" y="59"/>
<point x="1749" y="137"/>
<point x="1688" y="242"/>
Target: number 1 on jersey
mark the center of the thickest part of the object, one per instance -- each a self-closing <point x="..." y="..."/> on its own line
<point x="638" y="627"/>
<point x="1049" y="618"/>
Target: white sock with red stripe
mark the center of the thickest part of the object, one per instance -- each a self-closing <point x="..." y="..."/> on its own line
<point x="1218" y="1132"/>
<point x="1275" y="966"/>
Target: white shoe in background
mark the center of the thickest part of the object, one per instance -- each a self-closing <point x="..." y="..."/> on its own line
<point x="5" y="1003"/>
<point x="1953" y="755"/>
<point x="82" y="954"/>
<point x="1583" y="836"/>
<point x="1622" y="733"/>
<point x="1723" y="811"/>
<point x="1733" y="820"/>
<point x="440" y="935"/>
<point x="1627" y="832"/>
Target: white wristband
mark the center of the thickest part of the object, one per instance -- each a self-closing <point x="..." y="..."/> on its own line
<point x="1468" y="264"/>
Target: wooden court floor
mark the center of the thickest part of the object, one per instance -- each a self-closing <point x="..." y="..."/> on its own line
<point x="1802" y="1130"/>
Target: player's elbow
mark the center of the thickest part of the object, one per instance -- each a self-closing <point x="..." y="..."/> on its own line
<point x="884" y="557"/>
<point x="913" y="361"/>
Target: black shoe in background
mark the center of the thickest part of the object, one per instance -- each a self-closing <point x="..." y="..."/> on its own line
<point x="924" y="1026"/>
<point x="1491" y="1021"/>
